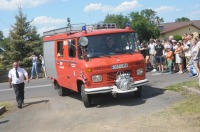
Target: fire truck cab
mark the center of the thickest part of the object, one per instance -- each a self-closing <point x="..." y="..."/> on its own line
<point x="93" y="60"/>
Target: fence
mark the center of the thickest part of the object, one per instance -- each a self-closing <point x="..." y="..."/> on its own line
<point x="4" y="74"/>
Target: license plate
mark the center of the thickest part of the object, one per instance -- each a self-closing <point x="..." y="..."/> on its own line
<point x="119" y="66"/>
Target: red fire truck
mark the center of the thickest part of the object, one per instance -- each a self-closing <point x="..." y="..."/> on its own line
<point x="94" y="59"/>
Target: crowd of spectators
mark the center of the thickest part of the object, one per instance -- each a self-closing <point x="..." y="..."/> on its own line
<point x="171" y="56"/>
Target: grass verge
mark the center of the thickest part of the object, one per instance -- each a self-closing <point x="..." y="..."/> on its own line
<point x="189" y="107"/>
<point x="8" y="106"/>
<point x="179" y="87"/>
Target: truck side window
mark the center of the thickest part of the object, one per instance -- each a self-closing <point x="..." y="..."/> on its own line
<point x="60" y="48"/>
<point x="72" y="48"/>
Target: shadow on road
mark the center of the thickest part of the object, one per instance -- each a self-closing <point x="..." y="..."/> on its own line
<point x="128" y="99"/>
<point x="2" y="122"/>
<point x="36" y="102"/>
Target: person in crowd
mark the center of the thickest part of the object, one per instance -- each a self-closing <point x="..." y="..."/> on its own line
<point x="159" y="55"/>
<point x="179" y="60"/>
<point x="191" y="69"/>
<point x="195" y="54"/>
<point x="151" y="47"/>
<point x="184" y="36"/>
<point x="174" y="65"/>
<point x="165" y="43"/>
<point x="191" y="38"/>
<point x="169" y="57"/>
<point x="137" y="45"/>
<point x="43" y="65"/>
<point x="145" y="52"/>
<point x="187" y="49"/>
<point x="16" y="80"/>
<point x="34" y="59"/>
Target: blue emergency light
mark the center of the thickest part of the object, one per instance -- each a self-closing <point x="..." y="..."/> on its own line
<point x="127" y="24"/>
<point x="84" y="28"/>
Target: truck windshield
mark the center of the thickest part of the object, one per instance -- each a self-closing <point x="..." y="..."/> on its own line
<point x="110" y="44"/>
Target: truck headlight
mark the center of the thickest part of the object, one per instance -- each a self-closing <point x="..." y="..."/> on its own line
<point x="140" y="71"/>
<point x="97" y="78"/>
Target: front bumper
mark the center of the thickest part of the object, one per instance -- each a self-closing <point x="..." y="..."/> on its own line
<point x="114" y="89"/>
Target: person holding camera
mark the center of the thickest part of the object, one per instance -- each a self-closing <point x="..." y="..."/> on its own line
<point x="34" y="65"/>
<point x="43" y="65"/>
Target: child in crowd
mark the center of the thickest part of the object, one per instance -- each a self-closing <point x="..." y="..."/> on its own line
<point x="169" y="57"/>
<point x="191" y="69"/>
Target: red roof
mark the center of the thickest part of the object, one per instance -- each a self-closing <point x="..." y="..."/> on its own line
<point x="168" y="27"/>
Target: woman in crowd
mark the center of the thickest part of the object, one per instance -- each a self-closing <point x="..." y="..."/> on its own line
<point x="179" y="60"/>
<point x="195" y="53"/>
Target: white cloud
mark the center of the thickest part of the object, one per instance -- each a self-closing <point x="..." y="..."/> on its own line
<point x="14" y="4"/>
<point x="47" y="20"/>
<point x="194" y="15"/>
<point x="5" y="32"/>
<point x="162" y="9"/>
<point x="125" y="6"/>
<point x="44" y="29"/>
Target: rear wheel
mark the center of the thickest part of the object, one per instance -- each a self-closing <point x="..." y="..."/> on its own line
<point x="138" y="93"/>
<point x="85" y="97"/>
<point x="61" y="90"/>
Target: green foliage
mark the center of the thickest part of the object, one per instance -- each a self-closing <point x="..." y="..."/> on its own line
<point x="22" y="42"/>
<point x="143" y="23"/>
<point x="177" y="37"/>
<point x="120" y="20"/>
<point x="182" y="19"/>
<point x="1" y="36"/>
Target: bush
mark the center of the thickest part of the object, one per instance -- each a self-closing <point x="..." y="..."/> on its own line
<point x="177" y="37"/>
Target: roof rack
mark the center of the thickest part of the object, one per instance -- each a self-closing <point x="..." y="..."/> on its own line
<point x="78" y="27"/>
<point x="70" y="29"/>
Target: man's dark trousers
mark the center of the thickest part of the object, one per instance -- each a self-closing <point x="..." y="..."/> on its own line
<point x="19" y="92"/>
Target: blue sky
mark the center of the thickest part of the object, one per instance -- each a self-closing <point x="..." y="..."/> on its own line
<point x="50" y="14"/>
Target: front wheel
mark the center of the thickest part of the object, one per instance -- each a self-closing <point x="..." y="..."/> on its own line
<point x="85" y="97"/>
<point x="138" y="93"/>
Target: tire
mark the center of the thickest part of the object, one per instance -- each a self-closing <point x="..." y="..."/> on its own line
<point x="56" y="86"/>
<point x="63" y="91"/>
<point x="85" y="97"/>
<point x="138" y="93"/>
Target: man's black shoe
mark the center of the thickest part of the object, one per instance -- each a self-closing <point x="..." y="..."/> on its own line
<point x="19" y="106"/>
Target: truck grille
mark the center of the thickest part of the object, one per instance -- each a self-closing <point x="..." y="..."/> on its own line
<point x="112" y="75"/>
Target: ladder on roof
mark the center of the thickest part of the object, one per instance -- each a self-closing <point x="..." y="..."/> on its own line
<point x="78" y="27"/>
<point x="70" y="29"/>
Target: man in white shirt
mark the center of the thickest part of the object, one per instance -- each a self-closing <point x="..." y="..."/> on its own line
<point x="151" y="47"/>
<point x="16" y="80"/>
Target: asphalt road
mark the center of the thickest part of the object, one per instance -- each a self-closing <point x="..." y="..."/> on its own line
<point x="44" y="87"/>
<point x="46" y="111"/>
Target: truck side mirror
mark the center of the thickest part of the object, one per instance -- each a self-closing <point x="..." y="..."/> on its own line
<point x="83" y="41"/>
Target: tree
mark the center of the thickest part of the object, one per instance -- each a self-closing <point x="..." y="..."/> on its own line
<point x="182" y="19"/>
<point x="145" y="25"/>
<point x="120" y="20"/>
<point x="23" y="41"/>
<point x="1" y="36"/>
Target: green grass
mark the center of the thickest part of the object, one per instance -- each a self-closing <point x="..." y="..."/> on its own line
<point x="179" y="87"/>
<point x="190" y="105"/>
<point x="8" y="106"/>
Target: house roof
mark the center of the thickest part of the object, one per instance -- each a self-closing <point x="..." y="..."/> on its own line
<point x="168" y="27"/>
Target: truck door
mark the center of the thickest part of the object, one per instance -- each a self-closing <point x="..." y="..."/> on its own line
<point x="72" y="63"/>
<point x="60" y="62"/>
